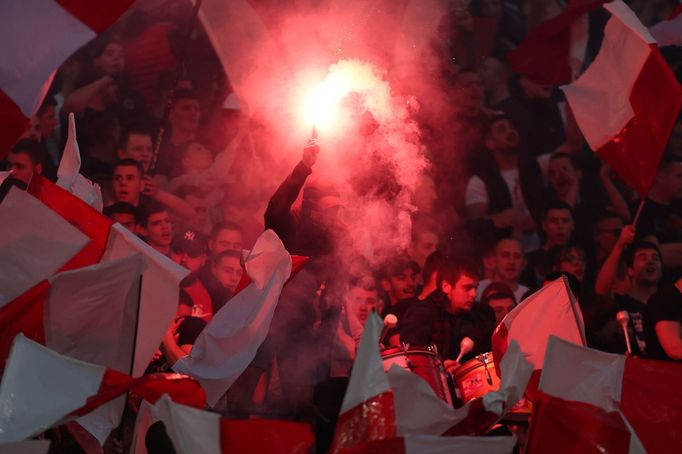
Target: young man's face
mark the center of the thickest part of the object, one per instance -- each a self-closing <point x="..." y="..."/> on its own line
<point x="127" y="184"/>
<point x="509" y="260"/>
<point x="562" y="175"/>
<point x="606" y="233"/>
<point x="193" y="264"/>
<point x="361" y="302"/>
<point x="21" y="166"/>
<point x="503" y="136"/>
<point x="501" y="307"/>
<point x="159" y="230"/>
<point x="228" y="271"/>
<point x="461" y="296"/>
<point x="558" y="226"/>
<point x="112" y="60"/>
<point x="185" y="114"/>
<point x="646" y="267"/>
<point x="573" y="261"/>
<point x="401" y="286"/>
<point x="226" y="240"/>
<point x="139" y="147"/>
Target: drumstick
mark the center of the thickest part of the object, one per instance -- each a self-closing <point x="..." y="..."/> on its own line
<point x="623" y="317"/>
<point x="465" y="346"/>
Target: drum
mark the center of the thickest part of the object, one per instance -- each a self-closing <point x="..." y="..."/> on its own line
<point x="422" y="361"/>
<point x="476" y="377"/>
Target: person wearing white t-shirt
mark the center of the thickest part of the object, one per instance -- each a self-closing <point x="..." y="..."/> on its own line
<point x="503" y="190"/>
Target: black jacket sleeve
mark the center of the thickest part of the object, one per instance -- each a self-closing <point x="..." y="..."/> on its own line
<point x="278" y="216"/>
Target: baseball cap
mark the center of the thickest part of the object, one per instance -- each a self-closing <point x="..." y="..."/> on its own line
<point x="191" y="242"/>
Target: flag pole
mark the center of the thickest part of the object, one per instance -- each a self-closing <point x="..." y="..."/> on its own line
<point x="639" y="211"/>
<point x="180" y="69"/>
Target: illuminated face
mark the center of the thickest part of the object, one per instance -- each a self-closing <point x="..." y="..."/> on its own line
<point x="461" y="296"/>
<point x="112" y="59"/>
<point x="228" y="271"/>
<point x="159" y="230"/>
<point x="646" y="267"/>
<point x="509" y="260"/>
<point x="127" y="184"/>
<point x="21" y="166"/>
<point x="48" y="122"/>
<point x="424" y="245"/>
<point x="226" y="240"/>
<point x="501" y="307"/>
<point x="139" y="147"/>
<point x="185" y="115"/>
<point x="401" y="286"/>
<point x="360" y="302"/>
<point x="573" y="261"/>
<point x="196" y="159"/>
<point x="558" y="226"/>
<point x="127" y="220"/>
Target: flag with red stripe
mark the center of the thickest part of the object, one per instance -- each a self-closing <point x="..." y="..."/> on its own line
<point x="627" y="100"/>
<point x="39" y="35"/>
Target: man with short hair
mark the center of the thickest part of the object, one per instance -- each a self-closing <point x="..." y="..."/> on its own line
<point x="509" y="263"/>
<point x="399" y="283"/>
<point x="227" y="271"/>
<point x="225" y="236"/>
<point x="661" y="218"/>
<point x="26" y="159"/>
<point x="154" y="226"/>
<point x="447" y="316"/>
<point x="128" y="181"/>
<point x="137" y="144"/>
<point x="557" y="224"/>
<point x="644" y="268"/>
<point x="123" y="213"/>
<point x="188" y="249"/>
<point x="506" y="188"/>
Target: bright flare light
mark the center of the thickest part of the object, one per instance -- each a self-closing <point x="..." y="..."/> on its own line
<point x="322" y="105"/>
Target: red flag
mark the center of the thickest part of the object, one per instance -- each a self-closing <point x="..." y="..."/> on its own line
<point x="627" y="101"/>
<point x="44" y="34"/>
<point x="544" y="55"/>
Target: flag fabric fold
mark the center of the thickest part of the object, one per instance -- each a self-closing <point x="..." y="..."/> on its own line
<point x="552" y="310"/>
<point x="626" y="102"/>
<point x="230" y="341"/>
<point x="193" y="431"/>
<point x="68" y="176"/>
<point x="41" y="388"/>
<point x="35" y="243"/>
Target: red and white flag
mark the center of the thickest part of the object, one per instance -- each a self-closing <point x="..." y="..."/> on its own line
<point x="193" y="431"/>
<point x="35" y="243"/>
<point x="590" y="400"/>
<point x="627" y="100"/>
<point x="367" y="412"/>
<point x="554" y="50"/>
<point x="41" y="388"/>
<point x="582" y="386"/>
<point x="229" y="342"/>
<point x="42" y="33"/>
<point x="551" y="311"/>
